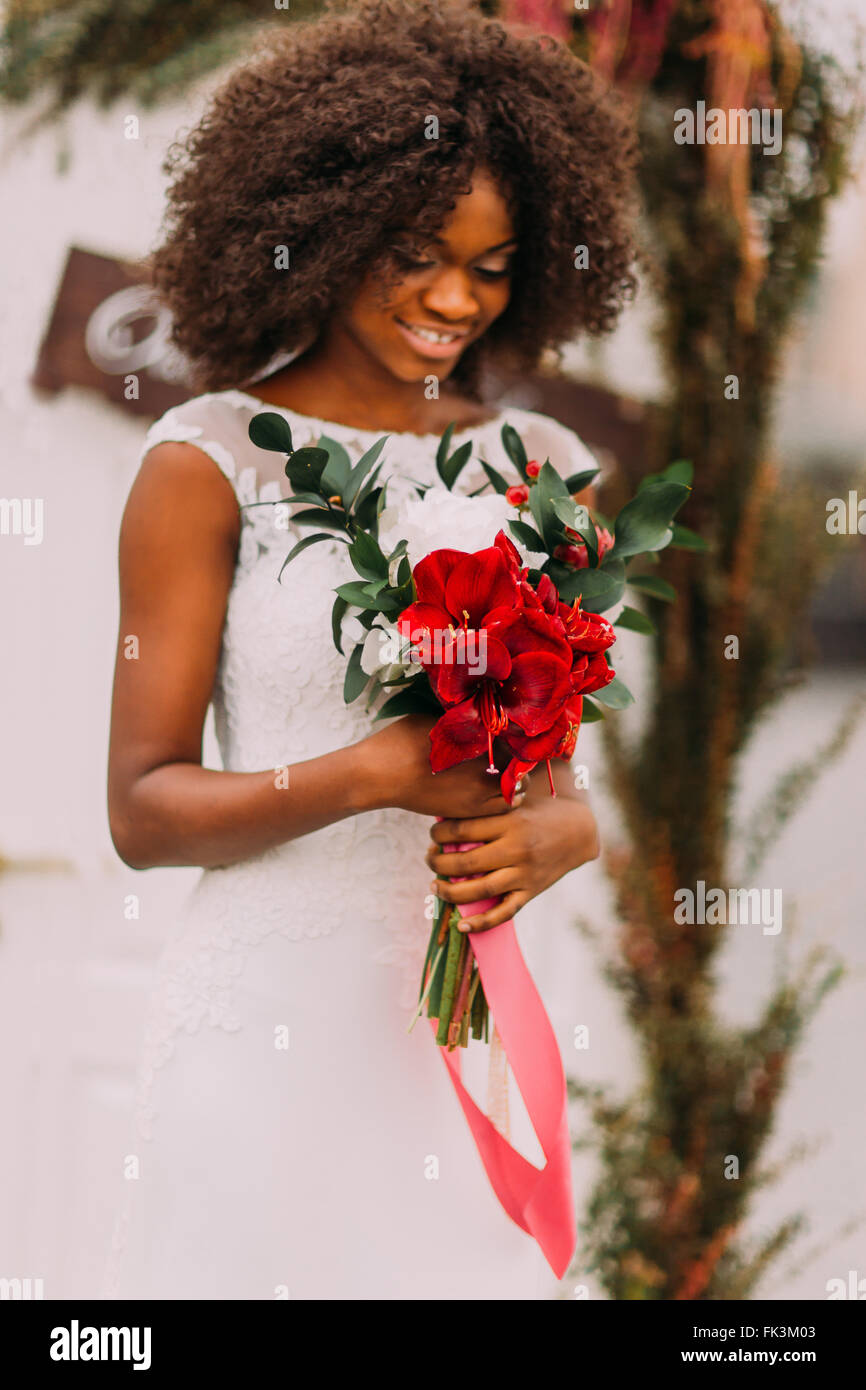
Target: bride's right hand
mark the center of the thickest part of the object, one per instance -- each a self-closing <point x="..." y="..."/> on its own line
<point x="395" y="765"/>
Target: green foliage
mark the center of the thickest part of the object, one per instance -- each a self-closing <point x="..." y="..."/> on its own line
<point x="145" y="50"/>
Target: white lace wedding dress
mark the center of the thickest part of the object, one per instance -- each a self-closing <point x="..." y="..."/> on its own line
<point x="292" y="1139"/>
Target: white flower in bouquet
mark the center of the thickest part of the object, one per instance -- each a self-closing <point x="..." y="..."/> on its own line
<point x="387" y="652"/>
<point x="442" y="520"/>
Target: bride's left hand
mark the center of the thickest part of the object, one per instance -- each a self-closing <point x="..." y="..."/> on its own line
<point x="524" y="852"/>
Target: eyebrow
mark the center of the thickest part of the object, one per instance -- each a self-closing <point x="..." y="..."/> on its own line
<point x="512" y="241"/>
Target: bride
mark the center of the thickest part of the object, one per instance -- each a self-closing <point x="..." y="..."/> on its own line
<point x="380" y="202"/>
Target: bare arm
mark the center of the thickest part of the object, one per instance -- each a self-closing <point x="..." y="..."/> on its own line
<point x="178" y="545"/>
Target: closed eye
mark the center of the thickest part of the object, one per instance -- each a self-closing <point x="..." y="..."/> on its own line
<point x="493" y="273"/>
<point x="411" y="260"/>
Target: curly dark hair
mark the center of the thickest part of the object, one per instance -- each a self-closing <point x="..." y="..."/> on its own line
<point x="320" y="142"/>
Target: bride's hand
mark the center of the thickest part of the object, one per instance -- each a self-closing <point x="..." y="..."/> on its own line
<point x="522" y="855"/>
<point x="395" y="767"/>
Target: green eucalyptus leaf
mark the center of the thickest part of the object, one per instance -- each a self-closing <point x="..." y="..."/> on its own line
<point x="303" y="545"/>
<point x="684" y="539"/>
<point x="591" y="711"/>
<point x="571" y="513"/>
<point x="337" y="469"/>
<point x="495" y="478"/>
<point x="453" y="466"/>
<point x="304" y="472"/>
<point x="680" y="471"/>
<point x="616" y="695"/>
<point x="443" y="447"/>
<point x="366" y="511"/>
<point x="321" y="516"/>
<point x="356" y="679"/>
<point x="312" y="457"/>
<point x="367" y="557"/>
<point x="600" y="588"/>
<point x="314" y="498"/>
<point x="268" y="430"/>
<point x="636" y="621"/>
<point x="654" y="586"/>
<point x="409" y="701"/>
<point x="645" y="522"/>
<point x="578" y="481"/>
<point x="368" y="484"/>
<point x="551" y="483"/>
<point x="362" y="468"/>
<point x="355" y="592"/>
<point x="527" y="536"/>
<point x="338" y="613"/>
<point x="513" y="446"/>
<point x="359" y="596"/>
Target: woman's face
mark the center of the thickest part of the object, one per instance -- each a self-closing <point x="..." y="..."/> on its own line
<point x="449" y="293"/>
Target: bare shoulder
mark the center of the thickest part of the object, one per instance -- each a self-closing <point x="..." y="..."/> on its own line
<point x="177" y="490"/>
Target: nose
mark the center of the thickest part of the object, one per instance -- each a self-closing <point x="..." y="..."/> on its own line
<point x="450" y="296"/>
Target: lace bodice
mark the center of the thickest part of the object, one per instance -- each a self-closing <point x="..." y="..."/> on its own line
<point x="278" y="700"/>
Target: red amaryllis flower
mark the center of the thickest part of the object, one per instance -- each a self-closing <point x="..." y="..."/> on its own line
<point x="509" y="660"/>
<point x="559" y="741"/>
<point x="510" y="552"/>
<point x="529" y="630"/>
<point x="512" y="775"/>
<point x="585" y="632"/>
<point x="527" y="689"/>
<point x="590" y="673"/>
<point x="455" y="590"/>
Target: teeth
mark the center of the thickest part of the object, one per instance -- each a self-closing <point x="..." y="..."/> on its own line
<point x="432" y="337"/>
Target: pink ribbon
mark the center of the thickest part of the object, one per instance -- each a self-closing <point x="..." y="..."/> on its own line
<point x="539" y="1200"/>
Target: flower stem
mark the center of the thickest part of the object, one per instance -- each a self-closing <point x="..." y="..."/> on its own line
<point x="426" y="989"/>
<point x="455" y="1027"/>
<point x="456" y="944"/>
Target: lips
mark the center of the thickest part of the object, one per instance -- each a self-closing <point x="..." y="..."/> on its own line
<point x="432" y="342"/>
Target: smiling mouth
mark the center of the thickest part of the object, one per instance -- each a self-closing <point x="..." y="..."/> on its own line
<point x="421" y="336"/>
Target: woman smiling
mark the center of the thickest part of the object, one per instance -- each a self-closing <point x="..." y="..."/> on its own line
<point x="374" y="207"/>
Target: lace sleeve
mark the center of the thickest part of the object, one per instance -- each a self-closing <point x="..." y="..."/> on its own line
<point x="191" y="423"/>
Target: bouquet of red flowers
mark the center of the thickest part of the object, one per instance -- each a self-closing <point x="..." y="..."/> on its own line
<point x="507" y="660"/>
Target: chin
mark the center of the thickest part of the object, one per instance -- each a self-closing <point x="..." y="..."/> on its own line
<point x="406" y="367"/>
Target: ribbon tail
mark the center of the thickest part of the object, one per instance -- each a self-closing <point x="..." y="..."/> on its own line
<point x="539" y="1200"/>
<point x="497" y="1086"/>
